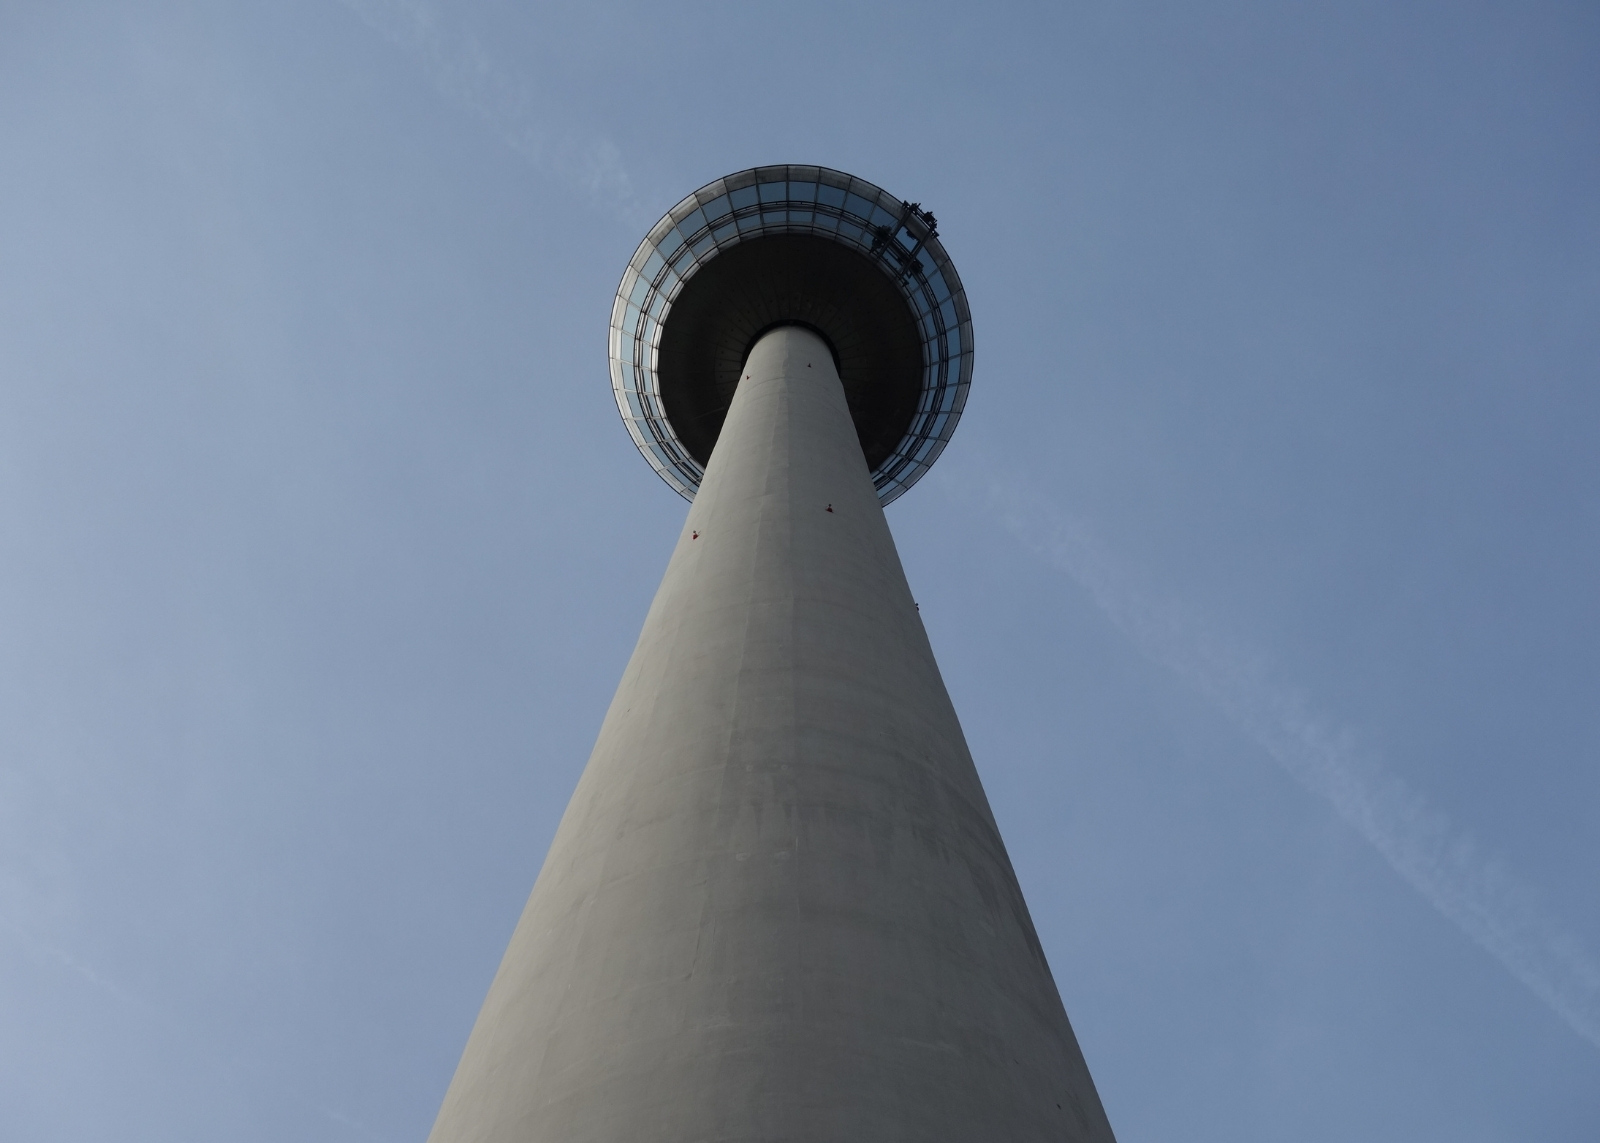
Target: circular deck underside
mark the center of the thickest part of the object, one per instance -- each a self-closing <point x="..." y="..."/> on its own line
<point x="799" y="279"/>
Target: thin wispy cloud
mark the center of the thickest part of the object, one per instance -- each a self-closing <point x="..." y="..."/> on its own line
<point x="45" y="952"/>
<point x="1440" y="860"/>
<point x="464" y="72"/>
<point x="352" y="1123"/>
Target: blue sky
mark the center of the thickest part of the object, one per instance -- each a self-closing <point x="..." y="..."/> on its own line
<point x="1261" y="568"/>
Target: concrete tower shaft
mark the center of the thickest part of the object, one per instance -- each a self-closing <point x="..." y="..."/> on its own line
<point x="777" y="907"/>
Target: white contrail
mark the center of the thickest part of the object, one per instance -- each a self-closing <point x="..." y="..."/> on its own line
<point x="1440" y="861"/>
<point x="461" y="69"/>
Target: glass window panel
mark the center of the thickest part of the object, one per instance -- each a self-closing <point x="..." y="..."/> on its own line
<point x="858" y="206"/>
<point x="949" y="311"/>
<point x="633" y="403"/>
<point x="630" y="321"/>
<point x="774" y="192"/>
<point x="724" y="232"/>
<point x="671" y="242"/>
<point x="692" y="222"/>
<point x="703" y="245"/>
<point x="802" y="192"/>
<point x="881" y="217"/>
<point x="652" y="266"/>
<point x="774" y="217"/>
<point x="743" y="197"/>
<point x="640" y="289"/>
<point x="801" y="218"/>
<point x="831" y="196"/>
<point x="717" y="207"/>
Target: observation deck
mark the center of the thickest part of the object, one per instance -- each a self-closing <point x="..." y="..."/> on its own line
<point x="792" y="245"/>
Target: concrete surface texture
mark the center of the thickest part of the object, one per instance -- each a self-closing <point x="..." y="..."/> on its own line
<point x="777" y="907"/>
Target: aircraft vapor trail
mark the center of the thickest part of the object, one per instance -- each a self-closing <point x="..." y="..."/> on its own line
<point x="1440" y="861"/>
<point x="462" y="70"/>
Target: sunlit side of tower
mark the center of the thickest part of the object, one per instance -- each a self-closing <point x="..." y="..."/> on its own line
<point x="777" y="907"/>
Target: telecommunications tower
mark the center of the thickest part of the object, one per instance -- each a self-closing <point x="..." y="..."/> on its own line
<point x="778" y="908"/>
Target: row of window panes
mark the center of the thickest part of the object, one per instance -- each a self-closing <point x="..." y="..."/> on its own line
<point x="776" y="213"/>
<point x="936" y="281"/>
<point x="698" y="217"/>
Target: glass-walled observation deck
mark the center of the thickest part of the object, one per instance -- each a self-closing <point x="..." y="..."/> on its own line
<point x="896" y="237"/>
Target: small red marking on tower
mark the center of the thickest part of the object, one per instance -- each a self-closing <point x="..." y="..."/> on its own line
<point x="830" y="507"/>
<point x="694" y="535"/>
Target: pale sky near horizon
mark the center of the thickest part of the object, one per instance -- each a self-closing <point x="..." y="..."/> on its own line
<point x="1261" y="569"/>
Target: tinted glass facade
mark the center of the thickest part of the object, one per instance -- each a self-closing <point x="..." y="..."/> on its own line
<point x="895" y="235"/>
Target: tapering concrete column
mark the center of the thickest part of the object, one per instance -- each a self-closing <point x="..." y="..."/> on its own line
<point x="777" y="908"/>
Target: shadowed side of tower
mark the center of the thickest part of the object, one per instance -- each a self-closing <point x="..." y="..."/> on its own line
<point x="777" y="907"/>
